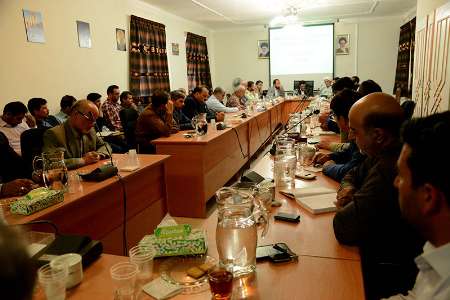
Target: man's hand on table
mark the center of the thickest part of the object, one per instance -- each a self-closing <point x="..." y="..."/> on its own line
<point x="344" y="196"/>
<point x="91" y="157"/>
<point x="220" y="116"/>
<point x="17" y="187"/>
<point x="321" y="158"/>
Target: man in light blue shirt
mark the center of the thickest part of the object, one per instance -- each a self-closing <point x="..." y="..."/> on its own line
<point x="215" y="104"/>
<point x="424" y="199"/>
<point x="66" y="107"/>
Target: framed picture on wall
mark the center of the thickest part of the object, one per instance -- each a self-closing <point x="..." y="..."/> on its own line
<point x="175" y="49"/>
<point x="121" y="40"/>
<point x="34" y="26"/>
<point x="263" y="49"/>
<point x="84" y="34"/>
<point x="343" y="44"/>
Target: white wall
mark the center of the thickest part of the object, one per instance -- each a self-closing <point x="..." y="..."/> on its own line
<point x="60" y="67"/>
<point x="377" y="51"/>
<point x="373" y="52"/>
<point x="236" y="55"/>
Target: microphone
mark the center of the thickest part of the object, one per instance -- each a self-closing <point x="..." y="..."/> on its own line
<point x="314" y="112"/>
<point x="104" y="143"/>
<point x="103" y="172"/>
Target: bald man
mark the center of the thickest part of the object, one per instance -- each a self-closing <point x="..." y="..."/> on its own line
<point x="77" y="137"/>
<point x="368" y="212"/>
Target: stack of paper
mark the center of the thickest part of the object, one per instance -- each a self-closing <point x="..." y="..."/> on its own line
<point x="316" y="200"/>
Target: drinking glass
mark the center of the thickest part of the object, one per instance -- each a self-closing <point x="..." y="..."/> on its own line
<point x="143" y="256"/>
<point x="124" y="277"/>
<point x="53" y="281"/>
<point x="221" y="284"/>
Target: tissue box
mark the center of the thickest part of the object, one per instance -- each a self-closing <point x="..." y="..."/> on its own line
<point x="36" y="200"/>
<point x="190" y="244"/>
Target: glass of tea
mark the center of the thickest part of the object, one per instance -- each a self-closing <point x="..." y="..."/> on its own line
<point x="221" y="283"/>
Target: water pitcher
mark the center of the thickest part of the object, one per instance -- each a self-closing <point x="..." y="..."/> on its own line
<point x="200" y="124"/>
<point x="53" y="169"/>
<point x="239" y="215"/>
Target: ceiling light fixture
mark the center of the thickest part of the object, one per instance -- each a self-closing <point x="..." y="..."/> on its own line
<point x="290" y="16"/>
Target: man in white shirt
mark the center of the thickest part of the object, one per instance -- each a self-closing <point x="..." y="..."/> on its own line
<point x="325" y="89"/>
<point x="424" y="197"/>
<point x="12" y="123"/>
<point x="215" y="104"/>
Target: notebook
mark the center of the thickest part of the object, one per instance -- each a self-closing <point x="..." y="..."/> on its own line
<point x="316" y="200"/>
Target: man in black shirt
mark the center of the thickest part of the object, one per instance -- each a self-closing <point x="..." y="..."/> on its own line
<point x="369" y="214"/>
<point x="195" y="104"/>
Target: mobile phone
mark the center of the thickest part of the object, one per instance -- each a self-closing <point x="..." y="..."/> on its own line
<point x="276" y="253"/>
<point x="281" y="216"/>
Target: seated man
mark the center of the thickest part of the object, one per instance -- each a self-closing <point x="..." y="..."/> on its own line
<point x="18" y="272"/>
<point x="337" y="164"/>
<point x="195" y="104"/>
<point x="302" y="91"/>
<point x="215" y="103"/>
<point x="111" y="109"/>
<point x="326" y="121"/>
<point x="276" y="90"/>
<point x="156" y="121"/>
<point x="182" y="121"/>
<point x="126" y="100"/>
<point x="66" y="106"/>
<point x="368" y="214"/>
<point x="325" y="89"/>
<point x="96" y="98"/>
<point x="368" y="87"/>
<point x="77" y="137"/>
<point x="251" y="94"/>
<point x="12" y="123"/>
<point x="237" y="99"/>
<point x="13" y="175"/>
<point x="38" y="109"/>
<point x="424" y="198"/>
<point x="259" y="88"/>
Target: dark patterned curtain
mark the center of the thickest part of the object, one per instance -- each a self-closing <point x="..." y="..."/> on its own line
<point x="198" y="72"/>
<point x="405" y="57"/>
<point x="148" y="57"/>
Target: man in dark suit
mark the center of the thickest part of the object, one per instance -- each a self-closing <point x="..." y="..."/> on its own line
<point x="13" y="180"/>
<point x="39" y="110"/>
<point x="368" y="211"/>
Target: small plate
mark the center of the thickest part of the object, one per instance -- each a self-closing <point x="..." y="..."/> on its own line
<point x="174" y="270"/>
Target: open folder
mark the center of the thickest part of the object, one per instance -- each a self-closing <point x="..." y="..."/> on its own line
<point x="316" y="200"/>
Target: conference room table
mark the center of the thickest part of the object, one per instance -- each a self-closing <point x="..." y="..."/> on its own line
<point x="98" y="210"/>
<point x="324" y="270"/>
<point x="200" y="165"/>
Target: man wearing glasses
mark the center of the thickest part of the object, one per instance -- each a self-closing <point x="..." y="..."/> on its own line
<point x="77" y="137"/>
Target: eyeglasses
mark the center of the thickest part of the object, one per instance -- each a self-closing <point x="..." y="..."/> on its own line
<point x="89" y="117"/>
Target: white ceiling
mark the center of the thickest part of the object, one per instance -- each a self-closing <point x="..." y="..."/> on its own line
<point x="220" y="14"/>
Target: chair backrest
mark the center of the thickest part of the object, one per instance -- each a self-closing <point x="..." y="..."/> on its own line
<point x="408" y="108"/>
<point x="128" y="118"/>
<point x="31" y="143"/>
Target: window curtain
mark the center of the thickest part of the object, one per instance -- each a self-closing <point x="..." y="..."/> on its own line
<point x="405" y="57"/>
<point x="148" y="57"/>
<point x="198" y="71"/>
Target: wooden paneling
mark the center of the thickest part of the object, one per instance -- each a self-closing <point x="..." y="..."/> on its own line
<point x="199" y="166"/>
<point x="98" y="210"/>
<point x="431" y="80"/>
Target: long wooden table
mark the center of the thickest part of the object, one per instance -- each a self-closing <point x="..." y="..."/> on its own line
<point x="98" y="211"/>
<point x="325" y="269"/>
<point x="199" y="166"/>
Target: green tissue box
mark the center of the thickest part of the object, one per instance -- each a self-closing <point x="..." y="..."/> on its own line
<point x="192" y="242"/>
<point x="36" y="200"/>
